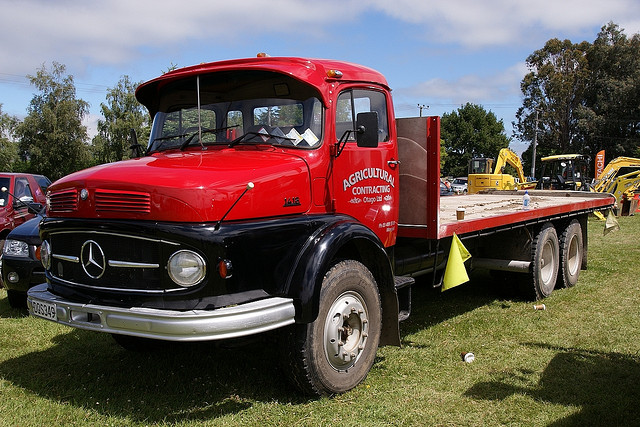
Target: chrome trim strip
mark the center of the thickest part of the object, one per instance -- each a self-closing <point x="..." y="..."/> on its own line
<point x="69" y="258"/>
<point x="115" y="234"/>
<point x="127" y="264"/>
<point x="193" y="325"/>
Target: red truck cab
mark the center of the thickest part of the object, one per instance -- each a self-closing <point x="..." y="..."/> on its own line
<point x="260" y="175"/>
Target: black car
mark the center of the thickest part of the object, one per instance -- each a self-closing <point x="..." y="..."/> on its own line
<point x="20" y="263"/>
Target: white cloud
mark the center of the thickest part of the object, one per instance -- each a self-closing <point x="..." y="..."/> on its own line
<point x="474" y="88"/>
<point x="501" y="22"/>
<point x="114" y="31"/>
<point x="80" y="33"/>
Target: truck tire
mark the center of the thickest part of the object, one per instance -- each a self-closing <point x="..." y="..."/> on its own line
<point x="334" y="353"/>
<point x="571" y="251"/>
<point x="17" y="299"/>
<point x="545" y="255"/>
<point x="1" y="249"/>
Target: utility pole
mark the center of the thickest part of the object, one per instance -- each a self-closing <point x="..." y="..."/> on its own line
<point x="421" y="106"/>
<point x="535" y="143"/>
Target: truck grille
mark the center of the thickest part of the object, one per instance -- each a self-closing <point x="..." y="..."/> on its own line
<point x="103" y="260"/>
<point x="64" y="201"/>
<point x="120" y="201"/>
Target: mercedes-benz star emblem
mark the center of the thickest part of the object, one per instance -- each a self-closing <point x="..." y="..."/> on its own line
<point x="92" y="259"/>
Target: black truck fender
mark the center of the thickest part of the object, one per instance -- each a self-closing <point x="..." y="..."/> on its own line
<point x="343" y="239"/>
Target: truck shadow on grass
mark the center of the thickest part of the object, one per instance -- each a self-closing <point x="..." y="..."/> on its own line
<point x="13" y="313"/>
<point x="431" y="306"/>
<point x="604" y="386"/>
<point x="190" y="381"/>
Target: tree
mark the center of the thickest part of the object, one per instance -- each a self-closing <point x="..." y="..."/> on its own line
<point x="554" y="87"/>
<point x="470" y="132"/>
<point x="8" y="148"/>
<point x="52" y="137"/>
<point x="121" y="113"/>
<point x="611" y="118"/>
<point x="587" y="97"/>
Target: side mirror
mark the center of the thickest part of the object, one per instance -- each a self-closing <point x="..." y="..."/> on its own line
<point x="136" y="149"/>
<point x="367" y="129"/>
<point x="35" y="208"/>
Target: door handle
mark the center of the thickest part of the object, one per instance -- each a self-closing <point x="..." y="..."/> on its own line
<point x="393" y="163"/>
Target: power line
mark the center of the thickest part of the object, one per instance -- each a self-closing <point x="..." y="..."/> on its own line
<point x="23" y="81"/>
<point x="405" y="106"/>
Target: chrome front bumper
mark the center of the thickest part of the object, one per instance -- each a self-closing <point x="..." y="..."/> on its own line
<point x="194" y="325"/>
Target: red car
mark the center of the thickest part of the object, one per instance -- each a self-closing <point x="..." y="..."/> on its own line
<point x="17" y="192"/>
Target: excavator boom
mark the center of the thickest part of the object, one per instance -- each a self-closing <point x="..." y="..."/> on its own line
<point x="479" y="179"/>
<point x="508" y="157"/>
<point x="607" y="178"/>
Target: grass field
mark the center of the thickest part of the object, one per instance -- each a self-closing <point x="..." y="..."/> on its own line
<point x="575" y="363"/>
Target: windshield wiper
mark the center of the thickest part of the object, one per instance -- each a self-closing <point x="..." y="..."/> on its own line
<point x="270" y="135"/>
<point x="191" y="138"/>
<point x="163" y="139"/>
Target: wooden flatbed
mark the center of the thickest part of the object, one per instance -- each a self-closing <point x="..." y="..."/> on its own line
<point x="503" y="209"/>
<point x="425" y="214"/>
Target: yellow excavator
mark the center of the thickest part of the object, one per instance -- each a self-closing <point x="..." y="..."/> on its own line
<point x="481" y="178"/>
<point x="621" y="177"/>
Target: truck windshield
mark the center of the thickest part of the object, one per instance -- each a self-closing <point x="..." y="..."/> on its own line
<point x="250" y="108"/>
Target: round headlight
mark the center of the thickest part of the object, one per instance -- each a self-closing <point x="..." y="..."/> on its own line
<point x="186" y="268"/>
<point x="45" y="254"/>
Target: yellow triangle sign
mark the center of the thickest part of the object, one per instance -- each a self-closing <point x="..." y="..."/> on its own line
<point x="455" y="272"/>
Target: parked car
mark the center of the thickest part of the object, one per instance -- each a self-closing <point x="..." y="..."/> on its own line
<point x="17" y="192"/>
<point x="22" y="196"/>
<point x="21" y="267"/>
<point x="459" y="185"/>
<point x="445" y="188"/>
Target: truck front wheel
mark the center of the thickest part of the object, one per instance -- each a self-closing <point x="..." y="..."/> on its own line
<point x="571" y="250"/>
<point x="335" y="352"/>
<point x="545" y="257"/>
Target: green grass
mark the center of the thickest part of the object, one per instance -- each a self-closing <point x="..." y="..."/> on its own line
<point x="576" y="363"/>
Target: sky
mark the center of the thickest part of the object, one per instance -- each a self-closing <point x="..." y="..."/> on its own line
<point x="435" y="55"/>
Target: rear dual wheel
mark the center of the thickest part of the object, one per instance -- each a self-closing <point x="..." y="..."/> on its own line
<point x="571" y="253"/>
<point x="556" y="261"/>
<point x="545" y="254"/>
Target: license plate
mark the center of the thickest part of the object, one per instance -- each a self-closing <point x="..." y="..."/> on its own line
<point x="44" y="309"/>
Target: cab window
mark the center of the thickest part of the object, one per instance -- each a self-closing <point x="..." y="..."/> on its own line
<point x="22" y="190"/>
<point x="352" y="102"/>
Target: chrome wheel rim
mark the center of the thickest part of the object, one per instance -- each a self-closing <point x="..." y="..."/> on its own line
<point x="346" y="330"/>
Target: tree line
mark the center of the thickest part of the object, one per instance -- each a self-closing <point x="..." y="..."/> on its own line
<point x="586" y="97"/>
<point x="52" y="141"/>
<point x="577" y="98"/>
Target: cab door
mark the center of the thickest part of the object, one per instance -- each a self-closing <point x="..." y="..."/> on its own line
<point x="365" y="178"/>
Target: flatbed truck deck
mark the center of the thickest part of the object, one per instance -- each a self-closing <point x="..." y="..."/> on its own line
<point x="494" y="208"/>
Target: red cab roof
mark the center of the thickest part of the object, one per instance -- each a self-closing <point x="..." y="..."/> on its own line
<point x="314" y="72"/>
